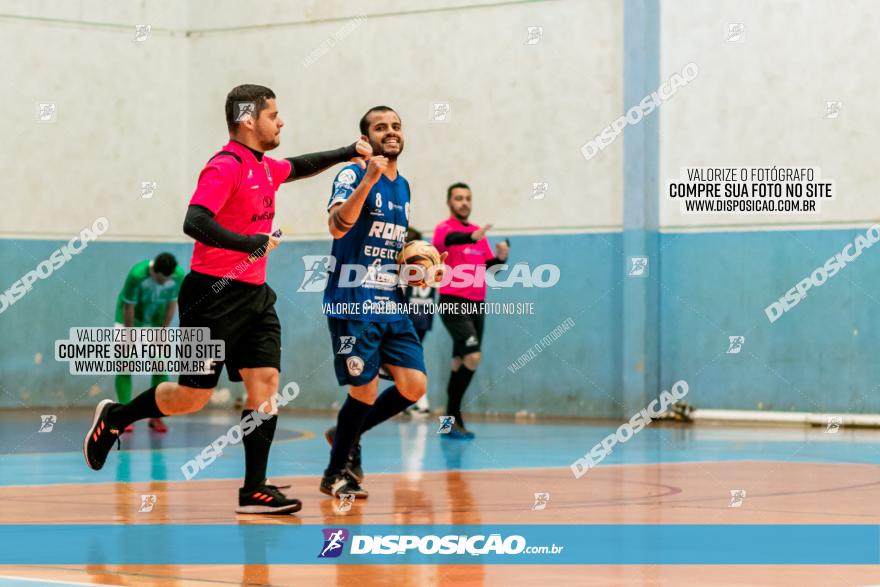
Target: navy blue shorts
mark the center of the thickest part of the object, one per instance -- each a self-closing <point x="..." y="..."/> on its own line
<point x="361" y="348"/>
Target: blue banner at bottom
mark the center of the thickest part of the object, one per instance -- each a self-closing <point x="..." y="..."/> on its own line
<point x="172" y="544"/>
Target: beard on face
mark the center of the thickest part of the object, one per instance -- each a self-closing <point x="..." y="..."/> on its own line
<point x="379" y="148"/>
<point x="268" y="139"/>
<point x="271" y="142"/>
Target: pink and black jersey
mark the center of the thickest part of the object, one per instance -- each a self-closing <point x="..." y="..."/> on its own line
<point x="473" y="255"/>
<point x="241" y="194"/>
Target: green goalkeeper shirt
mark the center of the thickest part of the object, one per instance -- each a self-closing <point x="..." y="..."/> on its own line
<point x="150" y="299"/>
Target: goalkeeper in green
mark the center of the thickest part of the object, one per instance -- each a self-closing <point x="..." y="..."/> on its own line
<point x="148" y="298"/>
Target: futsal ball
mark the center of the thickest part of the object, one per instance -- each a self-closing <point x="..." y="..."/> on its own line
<point x="416" y="261"/>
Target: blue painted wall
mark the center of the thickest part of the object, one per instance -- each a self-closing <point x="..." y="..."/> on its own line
<point x="579" y="374"/>
<point x="641" y="148"/>
<point x="819" y="356"/>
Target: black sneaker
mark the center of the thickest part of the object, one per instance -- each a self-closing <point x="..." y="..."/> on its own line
<point x="335" y="484"/>
<point x="266" y="499"/>
<point x="101" y="437"/>
<point x="353" y="464"/>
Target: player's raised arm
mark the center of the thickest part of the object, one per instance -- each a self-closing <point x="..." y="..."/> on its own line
<point x="349" y="196"/>
<point x="303" y="166"/>
<point x="466" y="238"/>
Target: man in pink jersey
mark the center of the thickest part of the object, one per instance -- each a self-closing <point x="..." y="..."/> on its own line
<point x="461" y="299"/>
<point x="230" y="217"/>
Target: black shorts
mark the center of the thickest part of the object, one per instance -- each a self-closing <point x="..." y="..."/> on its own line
<point x="464" y="321"/>
<point x="240" y="314"/>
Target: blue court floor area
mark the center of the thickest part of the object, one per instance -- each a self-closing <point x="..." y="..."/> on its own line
<point x="31" y="457"/>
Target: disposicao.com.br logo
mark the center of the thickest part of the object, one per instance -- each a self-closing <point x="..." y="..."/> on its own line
<point x="334" y="540"/>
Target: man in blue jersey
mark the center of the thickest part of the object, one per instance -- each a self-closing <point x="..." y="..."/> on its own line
<point x="369" y="214"/>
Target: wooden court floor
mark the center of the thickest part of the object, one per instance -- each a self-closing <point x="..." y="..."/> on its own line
<point x="669" y="493"/>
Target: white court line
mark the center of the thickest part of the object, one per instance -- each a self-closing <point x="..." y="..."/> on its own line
<point x="51" y="581"/>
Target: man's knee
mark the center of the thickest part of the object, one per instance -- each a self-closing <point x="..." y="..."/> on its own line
<point x="193" y="398"/>
<point x="472" y="360"/>
<point x="261" y="385"/>
<point x="173" y="398"/>
<point x="456" y="363"/>
<point x="199" y="398"/>
<point x="367" y="396"/>
<point x="260" y="378"/>
<point x="414" y="386"/>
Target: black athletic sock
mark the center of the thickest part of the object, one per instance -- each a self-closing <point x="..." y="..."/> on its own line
<point x="387" y="405"/>
<point x="464" y="379"/>
<point x="453" y="394"/>
<point x="348" y="429"/>
<point x="141" y="407"/>
<point x="256" y="450"/>
<point x="458" y="384"/>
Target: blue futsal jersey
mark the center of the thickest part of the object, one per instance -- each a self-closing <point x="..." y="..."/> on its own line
<point x="367" y="292"/>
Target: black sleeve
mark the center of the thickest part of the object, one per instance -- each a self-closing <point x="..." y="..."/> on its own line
<point x="458" y="238"/>
<point x="494" y="261"/>
<point x="200" y="225"/>
<point x="313" y="163"/>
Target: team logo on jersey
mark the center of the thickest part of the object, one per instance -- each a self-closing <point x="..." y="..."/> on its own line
<point x="387" y="231"/>
<point x="343" y="184"/>
<point x="334" y="541"/>
<point x="268" y="201"/>
<point x="346" y="177"/>
<point x="268" y="174"/>
<point x="346" y="345"/>
<point x="355" y="366"/>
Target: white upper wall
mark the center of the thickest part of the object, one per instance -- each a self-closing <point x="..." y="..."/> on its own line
<point x="121" y="108"/>
<point x="153" y="111"/>
<point x="761" y="101"/>
<point x="519" y="113"/>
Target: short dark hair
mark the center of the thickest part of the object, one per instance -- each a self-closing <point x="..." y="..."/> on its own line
<point x="413" y="234"/>
<point x="458" y="184"/>
<point x="365" y="124"/>
<point x="258" y="95"/>
<point x="165" y="264"/>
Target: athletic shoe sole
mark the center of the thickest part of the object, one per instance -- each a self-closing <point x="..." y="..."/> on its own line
<point x="333" y="490"/>
<point x="456" y="435"/>
<point x="336" y="490"/>
<point x="101" y="405"/>
<point x="265" y="509"/>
